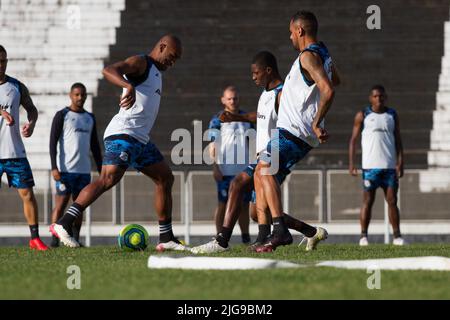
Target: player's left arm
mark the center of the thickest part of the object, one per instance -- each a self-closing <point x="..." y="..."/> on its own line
<point x="95" y="147"/>
<point x="398" y="147"/>
<point x="32" y="113"/>
<point x="314" y="66"/>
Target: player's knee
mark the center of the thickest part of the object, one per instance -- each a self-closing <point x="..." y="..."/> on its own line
<point x="107" y="182"/>
<point x="27" y="195"/>
<point x="391" y="200"/>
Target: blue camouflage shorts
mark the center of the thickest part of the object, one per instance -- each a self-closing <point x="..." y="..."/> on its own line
<point x="289" y="148"/>
<point x="250" y="171"/>
<point x="124" y="151"/>
<point x="375" y="178"/>
<point x="72" y="183"/>
<point x="18" y="172"/>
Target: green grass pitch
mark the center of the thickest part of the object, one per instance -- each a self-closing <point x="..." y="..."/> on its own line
<point x="109" y="273"/>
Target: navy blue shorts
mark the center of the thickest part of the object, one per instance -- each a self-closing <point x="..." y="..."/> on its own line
<point x="72" y="183"/>
<point x="124" y="151"/>
<point x="375" y="178"/>
<point x="289" y="148"/>
<point x="18" y="172"/>
<point x="223" y="187"/>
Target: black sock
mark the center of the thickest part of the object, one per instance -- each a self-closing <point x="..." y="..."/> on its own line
<point x="76" y="232"/>
<point x="223" y="237"/>
<point x="397" y="234"/>
<point x="292" y="223"/>
<point x="279" y="227"/>
<point x="34" y="230"/>
<point x="71" y="215"/>
<point x="165" y="230"/>
<point x="263" y="232"/>
<point x="245" y="238"/>
<point x="364" y="234"/>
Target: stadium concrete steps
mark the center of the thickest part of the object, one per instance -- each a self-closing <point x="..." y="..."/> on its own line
<point x="51" y="44"/>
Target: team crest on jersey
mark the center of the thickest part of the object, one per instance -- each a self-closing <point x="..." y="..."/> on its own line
<point x="123" y="156"/>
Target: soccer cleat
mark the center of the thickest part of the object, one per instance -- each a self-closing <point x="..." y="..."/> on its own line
<point x="275" y="241"/>
<point x="363" y="242"/>
<point x="37" y="244"/>
<point x="171" y="245"/>
<point x="399" y="242"/>
<point x="211" y="247"/>
<point x="58" y="231"/>
<point x="321" y="234"/>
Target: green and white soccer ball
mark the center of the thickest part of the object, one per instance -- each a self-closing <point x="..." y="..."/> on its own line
<point x="133" y="237"/>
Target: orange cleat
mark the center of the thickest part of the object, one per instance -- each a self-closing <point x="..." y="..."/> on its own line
<point x="37" y="244"/>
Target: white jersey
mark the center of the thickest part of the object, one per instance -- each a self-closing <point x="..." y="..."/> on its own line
<point x="300" y="99"/>
<point x="378" y="139"/>
<point x="138" y="120"/>
<point x="231" y="144"/>
<point x="72" y="137"/>
<point x="11" y="145"/>
<point x="267" y="117"/>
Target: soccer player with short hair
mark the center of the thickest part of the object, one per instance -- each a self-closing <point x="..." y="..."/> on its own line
<point x="382" y="159"/>
<point x="265" y="74"/>
<point x="74" y="130"/>
<point x="307" y="96"/>
<point x="230" y="150"/>
<point x="127" y="141"/>
<point x="13" y="159"/>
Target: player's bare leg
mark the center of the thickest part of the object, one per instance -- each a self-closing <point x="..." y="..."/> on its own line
<point x="162" y="176"/>
<point x="30" y="210"/>
<point x="366" y="214"/>
<point x="61" y="202"/>
<point x="239" y="185"/>
<point x="219" y="215"/>
<point x="394" y="213"/>
<point x="244" y="222"/>
<point x="110" y="176"/>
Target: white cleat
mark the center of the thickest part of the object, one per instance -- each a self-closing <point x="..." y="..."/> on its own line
<point x="171" y="245"/>
<point x="399" y="242"/>
<point x="320" y="235"/>
<point x="363" y="242"/>
<point x="210" y="247"/>
<point x="58" y="231"/>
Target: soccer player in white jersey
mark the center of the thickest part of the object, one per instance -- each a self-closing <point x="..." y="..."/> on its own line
<point x="127" y="140"/>
<point x="13" y="161"/>
<point x="229" y="148"/>
<point x="307" y="95"/>
<point x="74" y="130"/>
<point x="382" y="159"/>
<point x="265" y="74"/>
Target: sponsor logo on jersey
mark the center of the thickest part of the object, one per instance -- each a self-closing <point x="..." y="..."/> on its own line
<point x="261" y="116"/>
<point x="158" y="91"/>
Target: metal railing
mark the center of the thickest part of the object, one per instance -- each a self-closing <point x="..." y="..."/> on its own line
<point x="321" y="196"/>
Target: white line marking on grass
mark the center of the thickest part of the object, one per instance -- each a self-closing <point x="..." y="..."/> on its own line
<point x="411" y="263"/>
<point x="213" y="263"/>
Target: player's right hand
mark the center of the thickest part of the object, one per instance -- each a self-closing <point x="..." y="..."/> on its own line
<point x="321" y="134"/>
<point x="128" y="99"/>
<point x="8" y="118"/>
<point x="226" y="117"/>
<point x="56" y="175"/>
<point x="353" y="171"/>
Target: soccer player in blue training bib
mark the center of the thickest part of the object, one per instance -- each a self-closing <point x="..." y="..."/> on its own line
<point x="127" y="139"/>
<point x="13" y="159"/>
<point x="382" y="159"/>
<point x="307" y="96"/>
<point x="75" y="132"/>
<point x="229" y="141"/>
